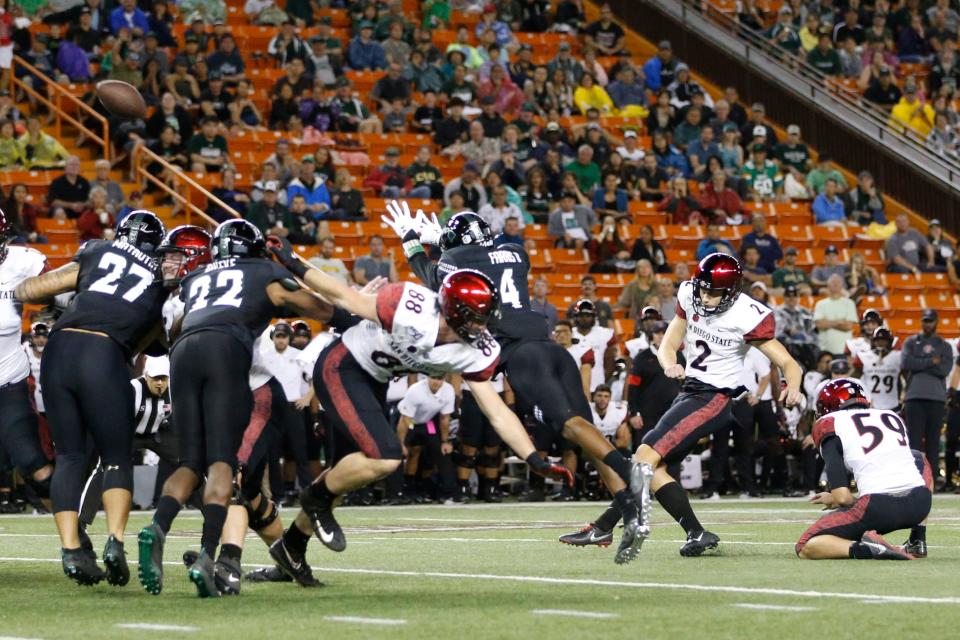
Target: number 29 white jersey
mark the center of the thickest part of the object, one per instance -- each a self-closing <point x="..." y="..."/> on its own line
<point x="875" y="449"/>
<point x="881" y="377"/>
<point x="715" y="346"/>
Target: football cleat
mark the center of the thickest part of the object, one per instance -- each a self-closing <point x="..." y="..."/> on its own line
<point x="115" y="560"/>
<point x="85" y="542"/>
<point x="634" y="533"/>
<point x="81" y="567"/>
<point x="226" y="574"/>
<point x="203" y="575"/>
<point x="641" y="474"/>
<point x="268" y="574"/>
<point x="150" y="558"/>
<point x="325" y="526"/>
<point x="917" y="549"/>
<point x="295" y="567"/>
<point x="880" y="549"/>
<point x="697" y="544"/>
<point x="589" y="535"/>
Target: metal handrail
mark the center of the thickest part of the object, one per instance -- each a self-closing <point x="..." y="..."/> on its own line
<point x="813" y="84"/>
<point x="56" y="107"/>
<point x="141" y="159"/>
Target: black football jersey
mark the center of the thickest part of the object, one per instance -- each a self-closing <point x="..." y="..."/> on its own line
<point x="230" y="296"/>
<point x="119" y="292"/>
<point x="508" y="266"/>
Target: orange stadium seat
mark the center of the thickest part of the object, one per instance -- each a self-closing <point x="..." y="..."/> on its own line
<point x="681" y="236"/>
<point x="793" y="235"/>
<point x="825" y="236"/>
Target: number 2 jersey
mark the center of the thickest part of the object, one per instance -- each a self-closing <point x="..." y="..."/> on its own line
<point x="881" y="377"/>
<point x="119" y="293"/>
<point x="715" y="345"/>
<point x="21" y="263"/>
<point x="230" y="296"/>
<point x="875" y="449"/>
<point x="404" y="339"/>
<point x="508" y="266"/>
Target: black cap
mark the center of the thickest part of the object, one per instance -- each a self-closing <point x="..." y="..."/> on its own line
<point x="790" y="291"/>
<point x="929" y="314"/>
<point x="455" y="101"/>
<point x="584" y="307"/>
<point x="832" y="249"/>
<point x="840" y="366"/>
<point x="282" y="329"/>
<point x="214" y="75"/>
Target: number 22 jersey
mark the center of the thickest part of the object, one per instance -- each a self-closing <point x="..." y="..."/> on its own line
<point x="118" y="293"/>
<point x="404" y="339"/>
<point x="875" y="449"/>
<point x="715" y="345"/>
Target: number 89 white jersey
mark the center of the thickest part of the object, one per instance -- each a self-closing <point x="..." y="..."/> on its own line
<point x="875" y="449"/>
<point x="715" y="346"/>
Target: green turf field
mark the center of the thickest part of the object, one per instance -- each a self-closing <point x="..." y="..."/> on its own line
<point x="497" y="571"/>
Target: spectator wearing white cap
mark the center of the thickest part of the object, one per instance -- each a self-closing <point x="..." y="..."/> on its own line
<point x="750" y="130"/>
<point x="630" y="150"/>
<point x="793" y="156"/>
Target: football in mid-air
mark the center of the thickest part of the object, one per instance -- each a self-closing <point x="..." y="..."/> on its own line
<point x="121" y="99"/>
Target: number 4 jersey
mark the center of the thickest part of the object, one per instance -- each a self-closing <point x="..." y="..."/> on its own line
<point x="118" y="293"/>
<point x="875" y="449"/>
<point x="714" y="346"/>
<point x="230" y="296"/>
<point x="405" y="339"/>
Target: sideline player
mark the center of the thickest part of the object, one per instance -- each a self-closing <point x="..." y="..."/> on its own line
<point x="114" y="315"/>
<point x="894" y="482"/>
<point x="19" y="435"/>
<point x="878" y="368"/>
<point x="424" y="432"/>
<point x="406" y="328"/>
<point x="540" y="373"/>
<point x="870" y="321"/>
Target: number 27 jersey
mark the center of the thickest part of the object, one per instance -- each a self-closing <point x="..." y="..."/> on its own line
<point x="715" y="346"/>
<point x="875" y="449"/>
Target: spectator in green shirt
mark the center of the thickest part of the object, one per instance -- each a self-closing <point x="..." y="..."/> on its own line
<point x="817" y="178"/>
<point x="208" y="148"/>
<point x="764" y="180"/>
<point x="823" y="56"/>
<point x="790" y="275"/>
<point x="585" y="169"/>
<point x="784" y="33"/>
<point x="436" y="14"/>
<point x="688" y="130"/>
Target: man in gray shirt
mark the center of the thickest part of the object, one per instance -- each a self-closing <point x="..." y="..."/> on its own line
<point x="540" y="304"/>
<point x="570" y="224"/>
<point x="905" y="248"/>
<point x="926" y="362"/>
<point x="377" y="263"/>
<point x="831" y="266"/>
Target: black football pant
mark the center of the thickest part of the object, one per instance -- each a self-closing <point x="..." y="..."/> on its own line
<point x="427" y="437"/>
<point x="19" y="436"/>
<point x="924" y="420"/>
<point x="742" y="431"/>
<point x="87" y="391"/>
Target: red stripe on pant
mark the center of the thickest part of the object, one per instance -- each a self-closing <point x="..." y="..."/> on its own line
<point x="836" y="519"/>
<point x="343" y="405"/>
<point x="688" y="425"/>
<point x="262" y="401"/>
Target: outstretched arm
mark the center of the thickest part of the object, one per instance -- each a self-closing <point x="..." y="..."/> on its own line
<point x="792" y="372"/>
<point x="44" y="287"/>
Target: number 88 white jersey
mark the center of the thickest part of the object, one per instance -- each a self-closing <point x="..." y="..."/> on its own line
<point x="715" y="346"/>
<point x="875" y="449"/>
<point x="881" y="377"/>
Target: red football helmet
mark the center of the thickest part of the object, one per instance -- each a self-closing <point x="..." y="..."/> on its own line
<point x="193" y="243"/>
<point x="839" y="394"/>
<point x="469" y="301"/>
<point x="6" y="233"/>
<point x="717" y="272"/>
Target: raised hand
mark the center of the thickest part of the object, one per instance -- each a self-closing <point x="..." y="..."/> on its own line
<point x="399" y="219"/>
<point x="430" y="229"/>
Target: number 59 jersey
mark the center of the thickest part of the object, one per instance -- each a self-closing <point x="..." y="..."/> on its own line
<point x="119" y="292"/>
<point x="715" y="346"/>
<point x="875" y="449"/>
<point x="404" y="340"/>
<point x="230" y="296"/>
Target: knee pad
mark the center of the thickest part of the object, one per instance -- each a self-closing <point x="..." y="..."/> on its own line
<point x="261" y="517"/>
<point x="117" y="476"/>
<point x="488" y="461"/>
<point x="463" y="460"/>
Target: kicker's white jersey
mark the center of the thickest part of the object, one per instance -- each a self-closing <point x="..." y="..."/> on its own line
<point x="880" y="377"/>
<point x="875" y="449"/>
<point x="611" y="420"/>
<point x="21" y="263"/>
<point x="404" y="339"/>
<point x="598" y="339"/>
<point x="714" y="346"/>
<point x="34" y="361"/>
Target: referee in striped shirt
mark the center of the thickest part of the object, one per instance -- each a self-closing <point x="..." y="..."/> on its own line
<point x="153" y="432"/>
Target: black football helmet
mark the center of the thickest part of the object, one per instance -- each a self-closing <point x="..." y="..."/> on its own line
<point x="463" y="228"/>
<point x="6" y="233"/>
<point x="871" y="315"/>
<point x="143" y="229"/>
<point x="881" y="335"/>
<point x="717" y="272"/>
<point x="237" y="238"/>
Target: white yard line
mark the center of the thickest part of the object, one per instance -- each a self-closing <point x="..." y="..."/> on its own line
<point x="772" y="607"/>
<point x="570" y="613"/>
<point x="389" y="622"/>
<point x="149" y="626"/>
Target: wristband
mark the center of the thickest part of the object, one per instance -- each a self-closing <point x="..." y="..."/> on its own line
<point x="412" y="248"/>
<point x="536" y="463"/>
<point x="297" y="268"/>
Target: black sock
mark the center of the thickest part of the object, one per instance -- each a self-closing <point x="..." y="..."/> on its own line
<point x="167" y="510"/>
<point x="918" y="533"/>
<point x="675" y="501"/>
<point x="231" y="552"/>
<point x="860" y="551"/>
<point x="625" y="502"/>
<point x="609" y="519"/>
<point x="214" y="515"/>
<point x="620" y="465"/>
<point x="295" y="540"/>
<point x="320" y="491"/>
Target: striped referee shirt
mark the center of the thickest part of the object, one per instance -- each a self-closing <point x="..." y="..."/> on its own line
<point x="150" y="410"/>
